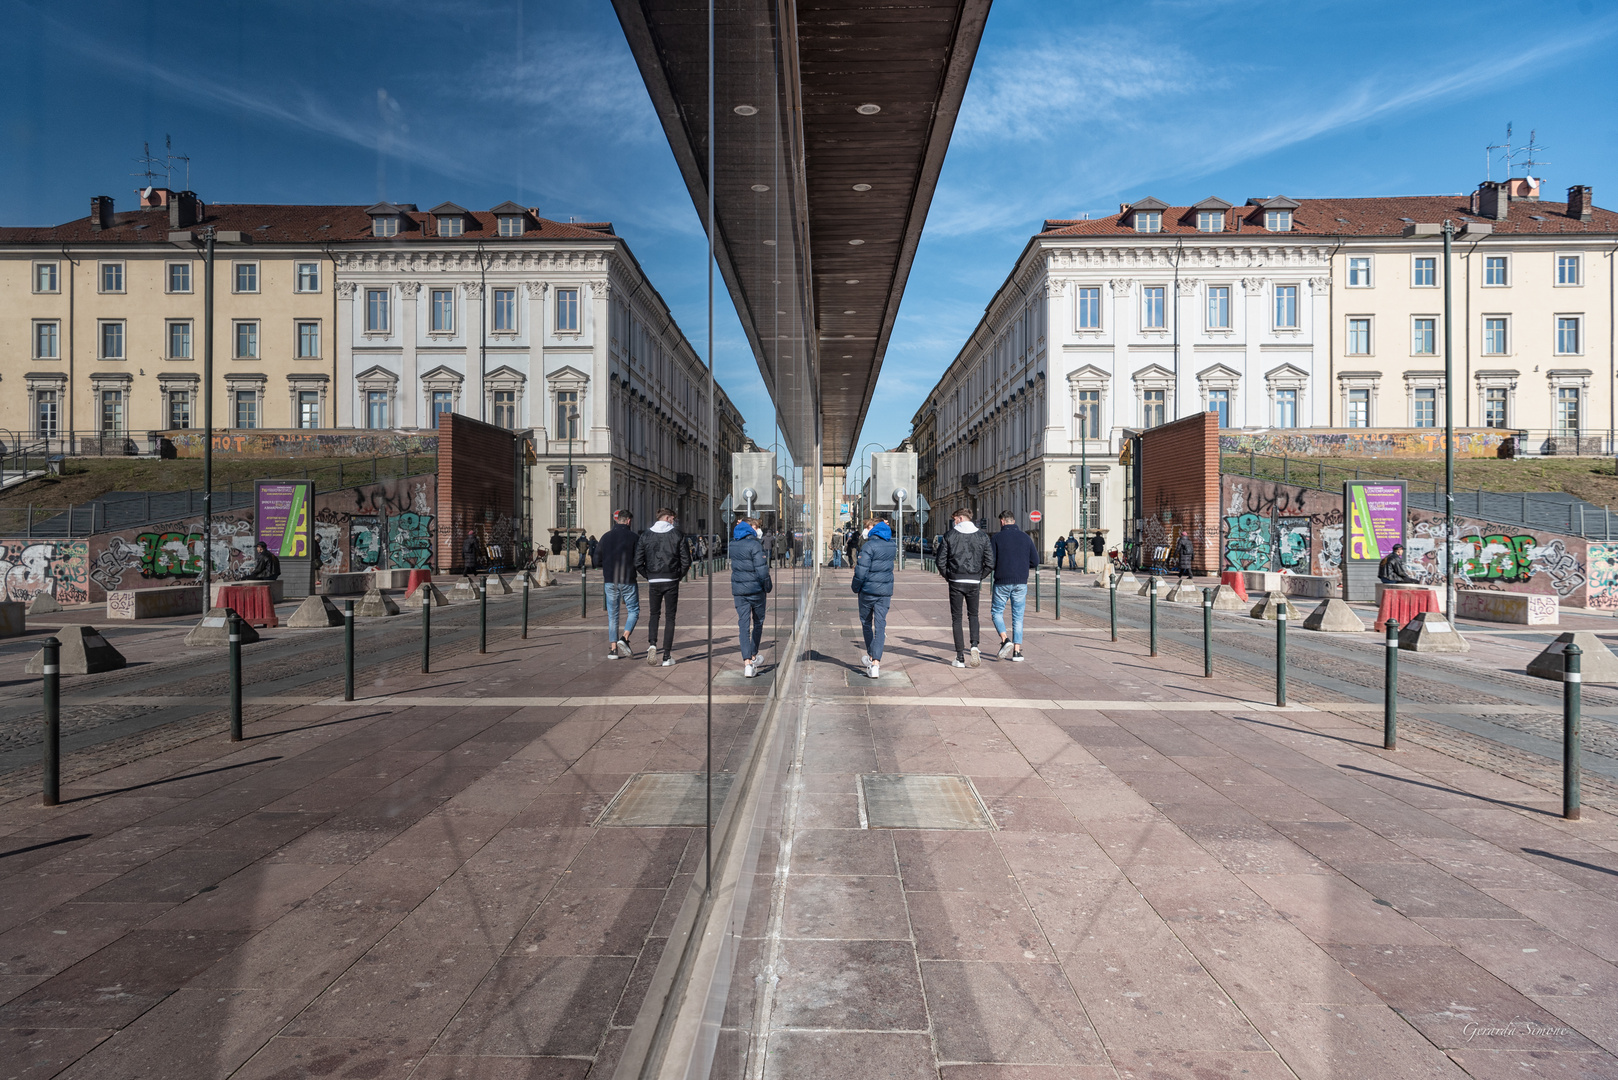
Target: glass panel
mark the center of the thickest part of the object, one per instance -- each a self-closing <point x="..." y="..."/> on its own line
<point x="112" y="412"/>
<point x="1286" y="408"/>
<point x="1494" y="270"/>
<point x="1426" y="272"/>
<point x="1359" y="337"/>
<point x="247" y="340"/>
<point x="1422" y="337"/>
<point x="567" y="309"/>
<point x="1359" y="408"/>
<point x="180" y="340"/>
<point x="47" y="340"/>
<point x="1567" y="269"/>
<point x="1359" y="271"/>
<point x="1219" y="307"/>
<point x="1090" y="308"/>
<point x="1494" y="337"/>
<point x="1219" y="404"/>
<point x="308" y="408"/>
<point x="45" y="277"/>
<point x="1425" y="411"/>
<point x="376" y="408"/>
<point x="308" y="340"/>
<point x="1152" y="311"/>
<point x="443" y="404"/>
<point x="1567" y="336"/>
<point x="246" y="277"/>
<point x="180" y="277"/>
<point x="1494" y="407"/>
<point x="112" y="340"/>
<point x="112" y="277"/>
<point x="179" y="409"/>
<point x="505" y="409"/>
<point x="1286" y="307"/>
<point x="247" y="408"/>
<point x="1090" y="414"/>
<point x="1152" y="407"/>
<point x="1567" y="410"/>
<point x="376" y="311"/>
<point x="45" y="418"/>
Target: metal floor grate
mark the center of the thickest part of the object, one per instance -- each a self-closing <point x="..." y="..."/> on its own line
<point x="897" y="801"/>
<point x="665" y="799"/>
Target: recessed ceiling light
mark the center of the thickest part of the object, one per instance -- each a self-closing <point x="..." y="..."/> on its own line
<point x="848" y="356"/>
<point x="761" y="187"/>
<point x="852" y="281"/>
<point x="850" y="311"/>
<point x="848" y="335"/>
<point x="769" y="243"/>
<point x="745" y="110"/>
<point x="856" y="243"/>
<point x="780" y="313"/>
<point x="868" y="110"/>
<point x="862" y="187"/>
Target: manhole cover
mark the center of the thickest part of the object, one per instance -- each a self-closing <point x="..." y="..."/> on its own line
<point x="893" y="801"/>
<point x="665" y="799"/>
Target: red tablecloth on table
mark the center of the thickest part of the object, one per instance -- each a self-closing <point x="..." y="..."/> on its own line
<point x="251" y="602"/>
<point x="1402" y="605"/>
<point x="1236" y="580"/>
<point x="417" y="577"/>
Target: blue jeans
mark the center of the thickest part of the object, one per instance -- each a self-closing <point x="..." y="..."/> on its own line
<point x="1017" y="596"/>
<point x="750" y="622"/>
<point x="630" y="595"/>
<point x="874" y="621"/>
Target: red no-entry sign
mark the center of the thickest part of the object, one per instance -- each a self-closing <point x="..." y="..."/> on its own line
<point x="1034" y="516"/>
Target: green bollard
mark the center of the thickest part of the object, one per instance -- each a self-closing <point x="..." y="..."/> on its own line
<point x="1152" y="587"/>
<point x="584" y="595"/>
<point x="1036" y="590"/>
<point x="1113" y="605"/>
<point x="1056" y="601"/>
<point x="1572" y="692"/>
<point x="483" y="617"/>
<point x="525" y="607"/>
<point x="1207" y="633"/>
<point x="348" y="650"/>
<point x="51" y="668"/>
<point x="1281" y="655"/>
<point x="1390" y="690"/>
<point x="426" y="631"/>
<point x="235" y="625"/>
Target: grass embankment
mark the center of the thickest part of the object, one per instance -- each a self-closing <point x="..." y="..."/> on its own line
<point x="1591" y="479"/>
<point x="89" y="478"/>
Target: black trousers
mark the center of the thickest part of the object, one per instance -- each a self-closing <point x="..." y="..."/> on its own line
<point x="963" y="595"/>
<point x="663" y="595"/>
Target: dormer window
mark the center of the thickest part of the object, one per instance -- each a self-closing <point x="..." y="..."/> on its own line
<point x="511" y="224"/>
<point x="1278" y="220"/>
<point x="452" y="225"/>
<point x="387" y="225"/>
<point x="1148" y="221"/>
<point x="1210" y="221"/>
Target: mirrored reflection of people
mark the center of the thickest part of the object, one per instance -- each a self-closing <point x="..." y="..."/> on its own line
<point x="1392" y="569"/>
<point x="750" y="585"/>
<point x="266" y="564"/>
<point x="873" y="584"/>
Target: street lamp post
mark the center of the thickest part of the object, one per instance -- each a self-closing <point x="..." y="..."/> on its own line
<point x="207" y="418"/>
<point x="1083" y="416"/>
<point x="572" y="492"/>
<point x="1449" y="436"/>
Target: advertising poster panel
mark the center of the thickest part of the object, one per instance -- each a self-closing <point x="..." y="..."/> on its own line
<point x="1373" y="521"/>
<point x="284" y="522"/>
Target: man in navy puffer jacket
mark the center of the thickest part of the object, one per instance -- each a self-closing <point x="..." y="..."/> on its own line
<point x="749" y="585"/>
<point x="873" y="581"/>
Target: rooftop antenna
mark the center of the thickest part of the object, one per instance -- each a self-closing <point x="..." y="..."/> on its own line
<point x="153" y="165"/>
<point x="1530" y="153"/>
<point x="168" y="151"/>
<point x="1488" y="155"/>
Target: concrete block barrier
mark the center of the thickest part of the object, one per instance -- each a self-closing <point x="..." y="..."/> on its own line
<point x="214" y="629"/>
<point x="1527" y="609"/>
<point x="277" y="590"/>
<point x="1598" y="664"/>
<point x="1432" y="632"/>
<point x="84" y="652"/>
<point x="1436" y="590"/>
<point x="154" y="603"/>
<point x="13" y="619"/>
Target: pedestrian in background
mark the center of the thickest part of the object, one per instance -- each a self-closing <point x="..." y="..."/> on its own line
<point x="662" y="558"/>
<point x="750" y="587"/>
<point x="1014" y="555"/>
<point x="1184" y="556"/>
<point x="471" y="554"/>
<point x="873" y="584"/>
<point x="615" y="556"/>
<point x="1059" y="550"/>
<point x="966" y="559"/>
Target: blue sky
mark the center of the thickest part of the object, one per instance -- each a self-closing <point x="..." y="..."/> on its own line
<point x="1072" y="108"/>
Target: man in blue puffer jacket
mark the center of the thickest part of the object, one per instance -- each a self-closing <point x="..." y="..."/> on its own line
<point x="873" y="582"/>
<point x="749" y="585"/>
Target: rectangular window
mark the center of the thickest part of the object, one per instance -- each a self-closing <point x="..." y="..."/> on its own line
<point x="385" y="226"/>
<point x="1151" y="317"/>
<point x="1152" y="408"/>
<point x="180" y="340"/>
<point x="1210" y="221"/>
<point x="112" y="412"/>
<point x="1359" y="272"/>
<point x="1494" y="270"/>
<point x="567" y="506"/>
<point x="567" y="309"/>
<point x="1567" y="270"/>
<point x="376" y="408"/>
<point x="308" y="340"/>
<point x="1494" y="335"/>
<point x="308" y="408"/>
<point x="505" y="409"/>
<point x="1278" y="220"/>
<point x="247" y="341"/>
<point x="376" y="310"/>
<point x="1286" y="408"/>
<point x="247" y="277"/>
<point x="247" y="408"/>
<point x="1090" y="307"/>
<point x="112" y="341"/>
<point x="1568" y="338"/>
<point x="1423" y="336"/>
<point x="1494" y="407"/>
<point x="567" y="414"/>
<point x="1219" y="404"/>
<point x="443" y="405"/>
<point x="45" y="279"/>
<point x="442" y="308"/>
<point x="179" y="277"/>
<point x="505" y="311"/>
<point x="1359" y="408"/>
<point x="450" y="225"/>
<point x="1089" y="413"/>
<point x="112" y="277"/>
<point x="1219" y="307"/>
<point x="179" y="410"/>
<point x="308" y="277"/>
<point x="1286" y="307"/>
<point x="47" y="340"/>
<point x="1359" y="337"/>
<point x="1567" y="410"/>
<point x="46" y="418"/>
<point x="1150" y="221"/>
<point x="1424" y="408"/>
<point x="510" y="225"/>
<point x="1425" y="271"/>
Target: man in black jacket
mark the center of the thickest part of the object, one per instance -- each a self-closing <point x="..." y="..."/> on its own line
<point x="964" y="560"/>
<point x="1015" y="553"/>
<point x="615" y="556"/>
<point x="471" y="554"/>
<point x="663" y="557"/>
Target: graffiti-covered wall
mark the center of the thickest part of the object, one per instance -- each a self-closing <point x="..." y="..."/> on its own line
<point x="299" y="443"/>
<point x="389" y="524"/>
<point x="1272" y="526"/>
<point x="1368" y="442"/>
<point x="57" y="567"/>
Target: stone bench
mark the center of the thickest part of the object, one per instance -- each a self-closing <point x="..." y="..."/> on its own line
<point x="1528" y="609"/>
<point x="156" y="603"/>
<point x="277" y="590"/>
<point x="1436" y="590"/>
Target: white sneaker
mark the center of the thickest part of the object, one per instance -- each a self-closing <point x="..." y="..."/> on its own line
<point x="747" y="670"/>
<point x="612" y="651"/>
<point x="1005" y="649"/>
<point x="625" y="649"/>
<point x="974" y="658"/>
<point x="875" y="670"/>
<point x="651" y="656"/>
<point x="1017" y="658"/>
<point x="668" y="662"/>
<point x="957" y="662"/>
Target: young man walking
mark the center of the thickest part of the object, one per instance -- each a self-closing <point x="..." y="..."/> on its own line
<point x="750" y="587"/>
<point x="663" y="557"/>
<point x="965" y="559"/>
<point x="615" y="557"/>
<point x="1015" y="553"/>
<point x="873" y="584"/>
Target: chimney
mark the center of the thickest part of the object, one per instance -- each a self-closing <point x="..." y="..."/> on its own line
<point x="1579" y="202"/>
<point x="185" y="209"/>
<point x="100" y="212"/>
<point x="1494" y="200"/>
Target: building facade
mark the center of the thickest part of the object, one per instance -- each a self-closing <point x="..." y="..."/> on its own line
<point x="1278" y="314"/>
